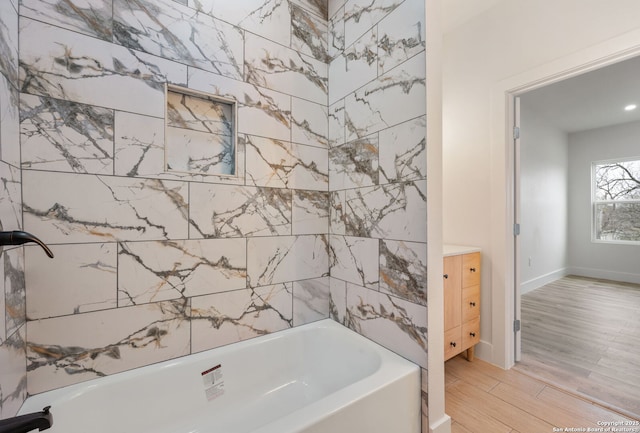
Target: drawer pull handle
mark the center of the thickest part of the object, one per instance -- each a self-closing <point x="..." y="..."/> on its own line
<point x="473" y="334"/>
<point x="473" y="304"/>
<point x="453" y="344"/>
<point x="446" y="276"/>
<point x="472" y="269"/>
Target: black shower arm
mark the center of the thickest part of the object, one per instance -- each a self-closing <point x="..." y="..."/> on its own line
<point x="17" y="237"/>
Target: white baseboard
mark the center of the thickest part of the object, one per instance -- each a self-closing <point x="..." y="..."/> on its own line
<point x="443" y="425"/>
<point x="604" y="274"/>
<point x="540" y="281"/>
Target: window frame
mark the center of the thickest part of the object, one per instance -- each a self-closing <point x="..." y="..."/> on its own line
<point x="595" y="202"/>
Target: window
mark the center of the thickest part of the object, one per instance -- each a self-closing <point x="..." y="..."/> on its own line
<point x="616" y="201"/>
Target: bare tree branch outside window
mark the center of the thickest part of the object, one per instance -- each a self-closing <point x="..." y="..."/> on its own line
<point x="617" y="201"/>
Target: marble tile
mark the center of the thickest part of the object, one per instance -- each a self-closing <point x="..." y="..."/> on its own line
<point x="355" y="260"/>
<point x="336" y="34"/>
<point x="65" y="208"/>
<point x="309" y="123"/>
<point x="198" y="153"/>
<point x="14" y="289"/>
<point x="354" y="164"/>
<point x="13" y="374"/>
<point x="9" y="42"/>
<point x="317" y="7"/>
<point x="403" y="270"/>
<point x="261" y="111"/>
<point x="223" y="211"/>
<point x="199" y="113"/>
<point x="309" y="33"/>
<point x="65" y="136"/>
<point x="401" y="35"/>
<point x="3" y="308"/>
<point x="337" y="300"/>
<point x="167" y="29"/>
<point x="89" y="17"/>
<point x="272" y="260"/>
<point x="230" y="317"/>
<point x="403" y="151"/>
<point x="139" y="151"/>
<point x="393" y="211"/>
<point x="159" y="271"/>
<point x="336" y="124"/>
<point x="81" y="278"/>
<point x="337" y="212"/>
<point x="273" y="66"/>
<point x="361" y="15"/>
<point x="66" y="350"/>
<point x="394" y="323"/>
<point x="374" y="106"/>
<point x="336" y="7"/>
<point x="310" y="212"/>
<point x="66" y="65"/>
<point x="9" y="123"/>
<point x="10" y="197"/>
<point x="310" y="300"/>
<point x="283" y="164"/>
<point x="270" y="19"/>
<point x="354" y="67"/>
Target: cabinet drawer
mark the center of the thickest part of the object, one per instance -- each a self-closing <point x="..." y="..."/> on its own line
<point x="471" y="333"/>
<point x="470" y="303"/>
<point x="452" y="292"/>
<point x="470" y="269"/>
<point x="452" y="342"/>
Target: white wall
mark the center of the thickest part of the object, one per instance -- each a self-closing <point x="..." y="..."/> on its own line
<point x="510" y="46"/>
<point x="543" y="199"/>
<point x="600" y="260"/>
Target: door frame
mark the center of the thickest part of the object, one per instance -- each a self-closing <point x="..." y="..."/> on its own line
<point x="503" y="176"/>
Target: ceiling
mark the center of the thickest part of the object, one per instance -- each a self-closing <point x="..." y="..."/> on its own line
<point x="592" y="100"/>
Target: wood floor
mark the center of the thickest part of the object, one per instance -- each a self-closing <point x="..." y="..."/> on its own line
<point x="583" y="335"/>
<point x="482" y="398"/>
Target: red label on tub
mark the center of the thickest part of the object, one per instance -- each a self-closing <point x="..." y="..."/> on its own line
<point x="213" y="382"/>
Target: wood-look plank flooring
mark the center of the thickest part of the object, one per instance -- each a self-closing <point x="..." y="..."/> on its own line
<point x="482" y="398"/>
<point x="583" y="335"/>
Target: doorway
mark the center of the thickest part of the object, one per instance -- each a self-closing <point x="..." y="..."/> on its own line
<point x="561" y="125"/>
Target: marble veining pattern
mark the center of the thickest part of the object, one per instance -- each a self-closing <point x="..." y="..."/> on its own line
<point x="337" y="212"/>
<point x="10" y="197"/>
<point x="403" y="157"/>
<point x="336" y="133"/>
<point x="268" y="64"/>
<point x="354" y="164"/>
<point x="400" y="35"/>
<point x="336" y="35"/>
<point x="310" y="300"/>
<point x="230" y="317"/>
<point x="397" y="324"/>
<point x="338" y="300"/>
<point x="280" y="259"/>
<point x="14" y="289"/>
<point x="239" y="211"/>
<point x="355" y="260"/>
<point x="9" y="42"/>
<point x="361" y="15"/>
<point x="63" y="207"/>
<point x="392" y="211"/>
<point x="66" y="65"/>
<point x="140" y="152"/>
<point x="10" y="122"/>
<point x="308" y="123"/>
<point x="65" y="136"/>
<point x="308" y="34"/>
<point x="172" y="31"/>
<point x="403" y="270"/>
<point x="13" y="374"/>
<point x="158" y="271"/>
<point x="70" y="349"/>
<point x="318" y="7"/>
<point x="310" y="212"/>
<point x="80" y="279"/>
<point x="90" y="17"/>
<point x="373" y="107"/>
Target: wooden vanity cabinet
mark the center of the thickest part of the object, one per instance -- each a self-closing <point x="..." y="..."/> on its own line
<point x="461" y="301"/>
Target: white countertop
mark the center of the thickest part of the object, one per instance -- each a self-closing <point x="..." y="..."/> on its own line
<point x="454" y="250"/>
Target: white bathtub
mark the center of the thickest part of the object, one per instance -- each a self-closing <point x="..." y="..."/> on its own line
<point x="320" y="377"/>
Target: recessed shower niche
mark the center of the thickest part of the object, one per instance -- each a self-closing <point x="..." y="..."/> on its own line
<point x="200" y="133"/>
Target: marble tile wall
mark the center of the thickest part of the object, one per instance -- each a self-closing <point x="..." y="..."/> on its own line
<point x="153" y="264"/>
<point x="325" y="217"/>
<point x="377" y="173"/>
<point x="13" y="374"/>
